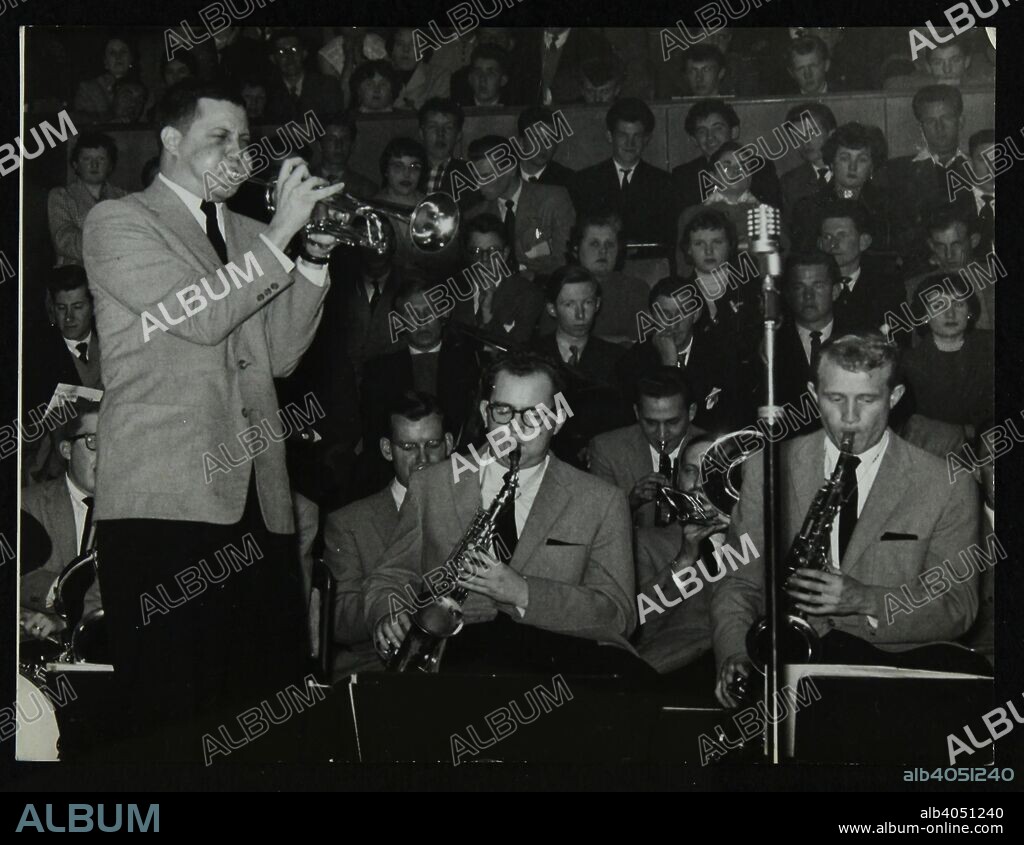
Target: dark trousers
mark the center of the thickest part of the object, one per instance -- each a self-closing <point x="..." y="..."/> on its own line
<point x="184" y="666"/>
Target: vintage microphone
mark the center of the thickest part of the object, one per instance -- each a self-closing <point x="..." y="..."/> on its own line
<point x="763" y="233"/>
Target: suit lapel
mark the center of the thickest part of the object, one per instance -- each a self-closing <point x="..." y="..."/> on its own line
<point x="552" y="498"/>
<point x="384" y="515"/>
<point x="63" y="516"/>
<point x="888" y="490"/>
<point x="168" y="206"/>
<point x="640" y="453"/>
<point x="466" y="492"/>
<point x="806" y="469"/>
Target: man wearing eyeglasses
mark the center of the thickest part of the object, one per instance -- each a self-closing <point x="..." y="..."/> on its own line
<point x="63" y="507"/>
<point x="356" y="535"/>
<point x="298" y="90"/>
<point x="561" y="578"/>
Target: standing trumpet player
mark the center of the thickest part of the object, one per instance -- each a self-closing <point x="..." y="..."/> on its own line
<point x="200" y="309"/>
<point x="899" y="517"/>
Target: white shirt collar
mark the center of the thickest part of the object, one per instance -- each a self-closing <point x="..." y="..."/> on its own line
<point x="514" y="198"/>
<point x="192" y="203"/>
<point x="868" y="458"/>
<point x="397" y="492"/>
<point x="928" y="155"/>
<point x="718" y="196"/>
<point x="564" y="344"/>
<point x="805" y="336"/>
<point x="72" y="344"/>
<point x="622" y="171"/>
<point x="78" y="508"/>
<point x="674" y="454"/>
<point x="559" y="41"/>
<point x="528" y="176"/>
<point x="493" y="474"/>
<point x="684" y="354"/>
<point x="414" y="351"/>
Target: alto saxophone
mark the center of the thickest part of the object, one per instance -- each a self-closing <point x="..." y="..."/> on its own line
<point x="440" y="616"/>
<point x="811" y="549"/>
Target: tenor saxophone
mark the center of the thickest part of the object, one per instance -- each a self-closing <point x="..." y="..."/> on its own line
<point x="440" y="616"/>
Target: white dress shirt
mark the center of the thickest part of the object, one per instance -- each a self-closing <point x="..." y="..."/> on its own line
<point x="398" y="491"/>
<point x="316" y="273"/>
<point x="979" y="203"/>
<point x="564" y="343"/>
<point x="72" y="345"/>
<point x="683" y="355"/>
<point x="558" y="41"/>
<point x="867" y="470"/>
<point x="623" y="171"/>
<point x="435" y="348"/>
<point x="502" y="209"/>
<point x="674" y="455"/>
<point x="531" y="177"/>
<point x="928" y="155"/>
<point x="853" y="277"/>
<point x="805" y="337"/>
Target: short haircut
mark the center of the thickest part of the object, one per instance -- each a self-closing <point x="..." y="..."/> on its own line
<point x="711" y="219"/>
<point x="630" y="110"/>
<point x="81" y="406"/>
<point x="95" y="141"/>
<point x="441" y="105"/>
<point x="703" y="109"/>
<point x="804" y="46"/>
<point x="480" y="147"/>
<point x="413" y="405"/>
<point x="822" y="114"/>
<point x="981" y="138"/>
<point x="280" y="34"/>
<point x="597" y="217"/>
<point x="184" y="58"/>
<point x="812" y="258"/>
<point x="947" y="283"/>
<point x="861" y="353"/>
<point x="413" y="280"/>
<point x="857" y="136"/>
<point x="952" y="41"/>
<point x="663" y="383"/>
<point x="931" y="94"/>
<point x="392" y="35"/>
<point x="522" y="363"/>
<point x="490" y="52"/>
<point x="944" y="216"/>
<point x="178" y="106"/>
<point x="368" y="70"/>
<point x="568" y="275"/>
<point x="667" y="288"/>
<point x="484" y="224"/>
<point x="345" y="119"/>
<point x="67" y="277"/>
<point x="399" y="147"/>
<point x="601" y="70"/>
<point x="701" y="53"/>
<point x="532" y="115"/>
<point x="849" y="209"/>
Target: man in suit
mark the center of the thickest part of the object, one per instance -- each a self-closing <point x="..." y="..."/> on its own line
<point x="428" y="361"/>
<point x="870" y="289"/>
<point x="703" y="71"/>
<point x="982" y="187"/>
<point x="335" y="149"/>
<point x="356" y="536"/>
<point x="625" y="183"/>
<point x="568" y="566"/>
<point x="807" y="63"/>
<point x="900" y="517"/>
<point x="813" y="174"/>
<point x="63" y="508"/>
<point x="441" y="123"/>
<point x="683" y="336"/>
<point x="573" y="298"/>
<point x="921" y="182"/>
<point x="296" y="90"/>
<point x="710" y="123"/>
<point x="549" y="72"/>
<point x="537" y="218"/>
<point x="507" y="309"/>
<point x="633" y="458"/>
<point x="189" y="384"/>
<point x="535" y="132"/>
<point x="811" y="284"/>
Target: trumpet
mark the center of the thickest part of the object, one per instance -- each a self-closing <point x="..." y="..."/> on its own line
<point x="432" y="223"/>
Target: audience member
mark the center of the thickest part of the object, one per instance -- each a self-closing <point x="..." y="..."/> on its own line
<point x="440" y="123"/>
<point x="982" y="183"/>
<point x="601" y="79"/>
<point x="373" y="86"/>
<point x="419" y="79"/>
<point x="295" y="89"/>
<point x="334" y="152"/>
<point x="552" y="58"/>
<point x="94" y="99"/>
<point x="537" y="134"/>
<point x="488" y="76"/>
<point x="813" y="174"/>
<point x="807" y="63"/>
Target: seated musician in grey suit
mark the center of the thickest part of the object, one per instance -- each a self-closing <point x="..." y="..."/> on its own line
<point x="570" y="569"/>
<point x="675" y="624"/>
<point x="356" y="535"/>
<point x="631" y="457"/>
<point x="900" y="518"/>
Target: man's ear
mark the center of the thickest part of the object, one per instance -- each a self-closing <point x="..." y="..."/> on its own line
<point x="170" y="138"/>
<point x="975" y="239"/>
<point x="65" y="449"/>
<point x="693" y="410"/>
<point x="734" y="133"/>
<point x="608" y="135"/>
<point x="449" y="444"/>
<point x="483" y="412"/>
<point x="550" y="306"/>
<point x="897" y="394"/>
<point x="812" y="391"/>
<point x="837" y="291"/>
<point x="967" y="64"/>
<point x="865" y="242"/>
<point x="597" y="307"/>
<point x="504" y="81"/>
<point x="385" y="449"/>
<point x="636" y="412"/>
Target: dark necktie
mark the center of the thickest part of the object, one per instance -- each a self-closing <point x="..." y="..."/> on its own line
<point x="665" y="467"/>
<point x="510" y="226"/>
<point x="505" y="535"/>
<point x="987" y="215"/>
<point x="844" y="297"/>
<point x="822" y="178"/>
<point x="625" y="180"/>
<point x="815" y="346"/>
<point x="848" y="509"/>
<point x="83" y="351"/>
<point x="574" y="356"/>
<point x="84" y="546"/>
<point x="209" y="209"/>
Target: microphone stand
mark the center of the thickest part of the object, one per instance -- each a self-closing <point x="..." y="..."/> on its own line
<point x="763" y="229"/>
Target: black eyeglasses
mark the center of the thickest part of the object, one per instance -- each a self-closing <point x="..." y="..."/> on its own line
<point x="502" y="414"/>
<point x="90" y="440"/>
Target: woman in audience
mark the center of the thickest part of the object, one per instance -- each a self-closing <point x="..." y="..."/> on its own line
<point x="401" y="165"/>
<point x="420" y="79"/>
<point x="948" y="374"/>
<point x="93" y="158"/>
<point x="94" y="100"/>
<point x="373" y="87"/>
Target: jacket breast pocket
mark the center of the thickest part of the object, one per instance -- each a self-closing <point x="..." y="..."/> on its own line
<point x="565" y="563"/>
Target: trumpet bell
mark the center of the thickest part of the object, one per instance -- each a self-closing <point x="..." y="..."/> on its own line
<point x="720" y="472"/>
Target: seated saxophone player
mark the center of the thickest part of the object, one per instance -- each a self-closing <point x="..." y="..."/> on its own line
<point x="900" y="517"/>
<point x="570" y="570"/>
